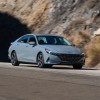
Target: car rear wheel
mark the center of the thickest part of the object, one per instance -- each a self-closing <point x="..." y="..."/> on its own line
<point x="78" y="66"/>
<point x="40" y="61"/>
<point x="14" y="60"/>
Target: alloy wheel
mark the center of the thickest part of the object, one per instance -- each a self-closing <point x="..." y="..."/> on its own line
<point x="14" y="60"/>
<point x="40" y="60"/>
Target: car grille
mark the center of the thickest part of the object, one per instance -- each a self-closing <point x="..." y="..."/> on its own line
<point x="70" y="57"/>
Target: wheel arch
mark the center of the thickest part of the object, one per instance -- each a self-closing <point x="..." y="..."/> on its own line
<point x="12" y="52"/>
<point x="38" y="54"/>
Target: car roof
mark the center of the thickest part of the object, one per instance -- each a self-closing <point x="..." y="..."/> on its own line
<point x="42" y="34"/>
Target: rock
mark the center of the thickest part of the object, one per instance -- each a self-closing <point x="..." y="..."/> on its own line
<point x="97" y="33"/>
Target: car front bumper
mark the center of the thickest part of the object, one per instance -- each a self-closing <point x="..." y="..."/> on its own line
<point x="66" y="59"/>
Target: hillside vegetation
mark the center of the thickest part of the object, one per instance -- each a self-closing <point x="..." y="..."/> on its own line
<point x="74" y="19"/>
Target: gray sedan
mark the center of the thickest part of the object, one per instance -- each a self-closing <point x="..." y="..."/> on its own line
<point x="45" y="50"/>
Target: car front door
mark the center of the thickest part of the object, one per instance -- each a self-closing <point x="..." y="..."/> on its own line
<point x="31" y="49"/>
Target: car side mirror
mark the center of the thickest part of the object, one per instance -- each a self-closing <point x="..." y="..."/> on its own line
<point x="32" y="43"/>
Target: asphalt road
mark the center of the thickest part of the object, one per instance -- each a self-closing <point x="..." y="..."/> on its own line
<point x="27" y="82"/>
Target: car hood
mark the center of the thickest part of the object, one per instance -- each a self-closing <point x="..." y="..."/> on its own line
<point x="63" y="49"/>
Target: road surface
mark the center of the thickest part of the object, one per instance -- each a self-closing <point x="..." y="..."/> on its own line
<point x="27" y="82"/>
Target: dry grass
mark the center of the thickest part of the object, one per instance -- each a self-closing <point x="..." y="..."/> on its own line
<point x="80" y="39"/>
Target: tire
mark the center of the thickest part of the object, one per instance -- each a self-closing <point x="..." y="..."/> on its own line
<point x="49" y="66"/>
<point x="77" y="66"/>
<point x="40" y="61"/>
<point x="14" y="60"/>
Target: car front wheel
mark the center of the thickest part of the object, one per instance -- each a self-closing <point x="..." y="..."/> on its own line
<point x="40" y="61"/>
<point x="14" y="60"/>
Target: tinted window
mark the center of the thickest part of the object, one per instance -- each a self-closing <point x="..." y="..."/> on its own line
<point x="52" y="40"/>
<point x="24" y="39"/>
<point x="32" y="39"/>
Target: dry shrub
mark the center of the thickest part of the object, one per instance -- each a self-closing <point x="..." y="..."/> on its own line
<point x="91" y="46"/>
<point x="77" y="24"/>
<point x="80" y="39"/>
<point x="91" y="3"/>
<point x="93" y="52"/>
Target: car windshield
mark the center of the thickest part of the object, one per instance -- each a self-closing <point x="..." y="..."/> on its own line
<point x="53" y="40"/>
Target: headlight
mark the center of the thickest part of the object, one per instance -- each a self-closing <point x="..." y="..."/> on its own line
<point x="83" y="55"/>
<point x="50" y="52"/>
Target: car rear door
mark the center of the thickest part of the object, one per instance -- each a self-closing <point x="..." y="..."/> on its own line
<point x="21" y="48"/>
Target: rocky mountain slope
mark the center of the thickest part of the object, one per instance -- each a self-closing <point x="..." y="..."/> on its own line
<point x="63" y="17"/>
<point x="55" y="16"/>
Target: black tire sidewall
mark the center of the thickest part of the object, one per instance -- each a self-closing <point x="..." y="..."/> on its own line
<point x="77" y="66"/>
